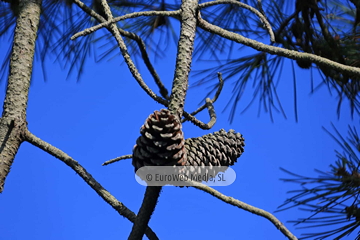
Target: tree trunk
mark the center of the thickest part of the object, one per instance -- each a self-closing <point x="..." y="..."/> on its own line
<point x="13" y="120"/>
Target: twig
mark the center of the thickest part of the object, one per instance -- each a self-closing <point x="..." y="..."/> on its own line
<point x="205" y="126"/>
<point x="246" y="207"/>
<point x="217" y="94"/>
<point x="115" y="31"/>
<point x="261" y="9"/>
<point x="103" y="193"/>
<point x="163" y="91"/>
<point x="127" y="16"/>
<point x="329" y="39"/>
<point x="243" y="5"/>
<point x="117" y="159"/>
<point x="276" y="50"/>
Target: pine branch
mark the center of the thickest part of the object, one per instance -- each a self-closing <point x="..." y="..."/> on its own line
<point x="103" y="193"/>
<point x="277" y="50"/>
<point x="243" y="5"/>
<point x="246" y="207"/>
<point x="121" y="18"/>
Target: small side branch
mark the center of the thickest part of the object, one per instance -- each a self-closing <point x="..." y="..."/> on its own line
<point x="217" y="94"/>
<point x="246" y="207"/>
<point x="212" y="114"/>
<point x="117" y="159"/>
<point x="163" y="91"/>
<point x="126" y="16"/>
<point x="103" y="193"/>
<point x="243" y="5"/>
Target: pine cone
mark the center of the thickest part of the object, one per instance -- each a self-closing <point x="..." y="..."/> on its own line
<point x="216" y="149"/>
<point x="161" y="142"/>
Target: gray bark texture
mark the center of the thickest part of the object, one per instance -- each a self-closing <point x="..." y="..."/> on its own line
<point x="185" y="49"/>
<point x="13" y="120"/>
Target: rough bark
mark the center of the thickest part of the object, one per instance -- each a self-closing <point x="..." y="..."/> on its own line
<point x="13" y="120"/>
<point x="189" y="11"/>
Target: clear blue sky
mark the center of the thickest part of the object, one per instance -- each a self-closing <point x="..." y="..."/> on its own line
<point x="99" y="118"/>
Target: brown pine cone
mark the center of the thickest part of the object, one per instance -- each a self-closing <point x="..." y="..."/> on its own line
<point x="215" y="149"/>
<point x="161" y="142"/>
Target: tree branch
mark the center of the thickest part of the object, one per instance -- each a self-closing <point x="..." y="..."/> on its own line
<point x="189" y="12"/>
<point x="103" y="193"/>
<point x="126" y="16"/>
<point x="243" y="5"/>
<point x="276" y="50"/>
<point x="163" y="91"/>
<point x="147" y="208"/>
<point x="117" y="159"/>
<point x="200" y="124"/>
<point x="217" y="94"/>
<point x="246" y="207"/>
<point x="116" y="33"/>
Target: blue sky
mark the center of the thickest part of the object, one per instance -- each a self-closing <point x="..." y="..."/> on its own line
<point x="99" y="118"/>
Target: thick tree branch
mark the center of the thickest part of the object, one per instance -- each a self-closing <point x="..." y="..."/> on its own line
<point x="147" y="208"/>
<point x="189" y="12"/>
<point x="246" y="207"/>
<point x="277" y="50"/>
<point x="103" y="193"/>
<point x="13" y="119"/>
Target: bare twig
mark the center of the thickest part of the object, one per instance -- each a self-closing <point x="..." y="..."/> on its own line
<point x="261" y="9"/>
<point x="246" y="207"/>
<point x="276" y="50"/>
<point x="117" y="159"/>
<point x="205" y="126"/>
<point x="103" y="193"/>
<point x="163" y="91"/>
<point x="127" y="16"/>
<point x="243" y="5"/>
<point x="217" y="94"/>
